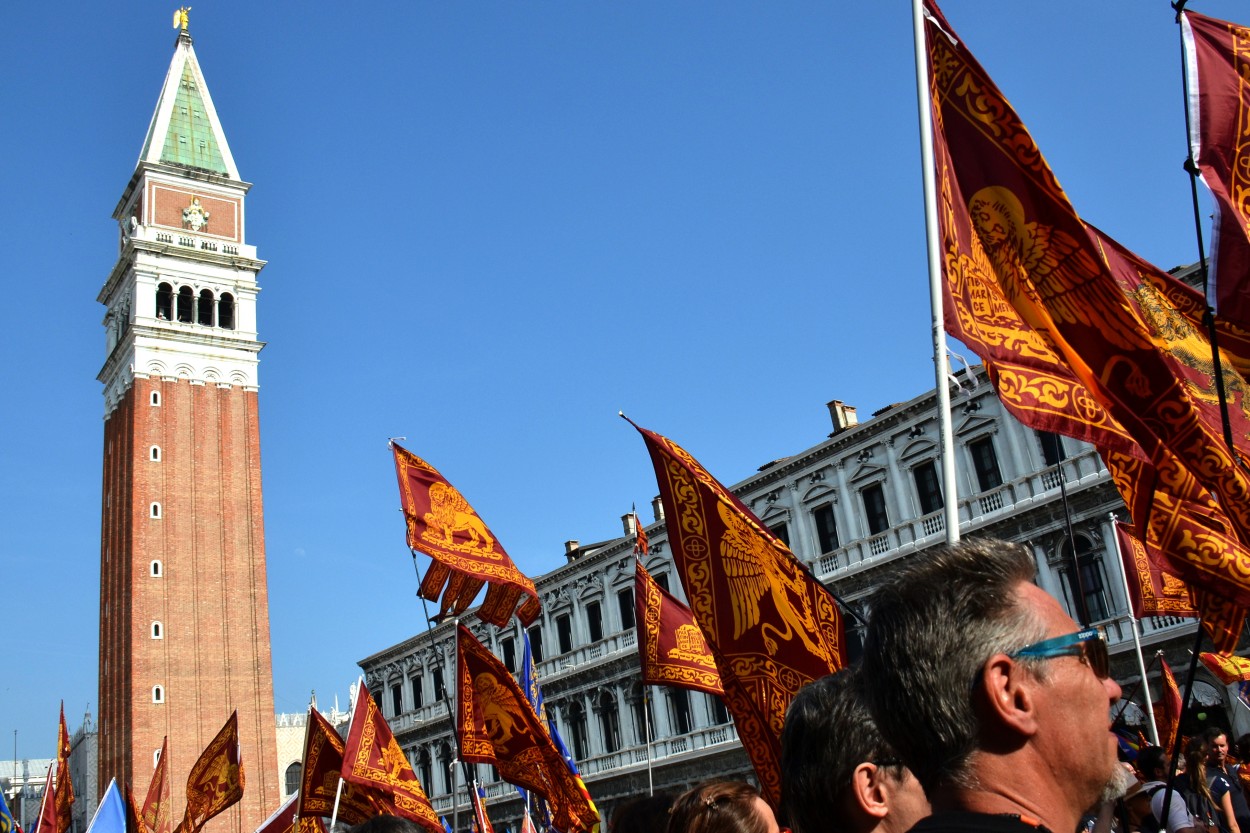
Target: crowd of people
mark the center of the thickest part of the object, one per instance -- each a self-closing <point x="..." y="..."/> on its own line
<point x="979" y="706"/>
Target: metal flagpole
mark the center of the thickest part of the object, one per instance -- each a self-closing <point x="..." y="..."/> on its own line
<point x="1141" y="662"/>
<point x="1191" y="167"/>
<point x="646" y="722"/>
<point x="949" y="489"/>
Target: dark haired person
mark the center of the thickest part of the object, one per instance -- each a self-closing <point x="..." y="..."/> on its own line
<point x="837" y="772"/>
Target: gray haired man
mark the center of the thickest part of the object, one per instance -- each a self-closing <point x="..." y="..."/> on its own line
<point x="992" y="695"/>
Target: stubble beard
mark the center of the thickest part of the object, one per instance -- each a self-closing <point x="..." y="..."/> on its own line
<point x="1117" y="785"/>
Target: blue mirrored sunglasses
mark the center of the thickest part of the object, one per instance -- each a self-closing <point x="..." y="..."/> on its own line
<point x="1088" y="644"/>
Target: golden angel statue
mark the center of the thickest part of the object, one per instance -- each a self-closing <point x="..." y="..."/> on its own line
<point x="180" y="18"/>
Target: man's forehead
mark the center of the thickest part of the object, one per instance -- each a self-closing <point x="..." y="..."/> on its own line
<point x="1046" y="608"/>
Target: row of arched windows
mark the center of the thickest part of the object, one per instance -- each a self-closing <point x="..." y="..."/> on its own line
<point x="188" y="308"/>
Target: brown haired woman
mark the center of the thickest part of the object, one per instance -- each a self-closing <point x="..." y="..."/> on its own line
<point x="722" y="807"/>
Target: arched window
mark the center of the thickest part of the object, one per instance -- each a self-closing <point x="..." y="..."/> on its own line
<point x="204" y="313"/>
<point x="225" y="311"/>
<point x="186" y="304"/>
<point x="158" y="696"/>
<point x="720" y="714"/>
<point x="155" y="511"/>
<point x="156" y="569"/>
<point x="424" y="771"/>
<point x="156" y="399"/>
<point x="444" y="762"/>
<point x="1093" y="581"/>
<point x="575" y="717"/>
<point x="154" y="454"/>
<point x="609" y="722"/>
<point x="157" y="632"/>
<point x="165" y="302"/>
<point x="293" y="775"/>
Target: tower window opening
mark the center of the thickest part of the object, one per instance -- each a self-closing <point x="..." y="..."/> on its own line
<point x="165" y="302"/>
<point x="158" y="696"/>
<point x="156" y="399"/>
<point x="156" y="569"/>
<point x="157" y="632"/>
<point x="225" y="311"/>
<point x="154" y="511"/>
<point x="204" y="313"/>
<point x="186" y="303"/>
<point x="154" y="454"/>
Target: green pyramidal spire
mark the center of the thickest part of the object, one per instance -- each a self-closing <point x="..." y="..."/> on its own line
<point x="184" y="129"/>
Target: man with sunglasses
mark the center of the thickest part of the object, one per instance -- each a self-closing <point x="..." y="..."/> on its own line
<point x="991" y="694"/>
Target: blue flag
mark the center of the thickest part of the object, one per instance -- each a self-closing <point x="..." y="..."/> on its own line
<point x="110" y="816"/>
<point x="446" y="826"/>
<point x="7" y="825"/>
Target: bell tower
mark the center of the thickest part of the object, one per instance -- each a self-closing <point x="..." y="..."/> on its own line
<point x="184" y="606"/>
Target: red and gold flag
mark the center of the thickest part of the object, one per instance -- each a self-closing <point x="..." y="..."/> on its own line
<point x="286" y="819"/>
<point x="496" y="725"/>
<point x="373" y="760"/>
<point x="319" y="781"/>
<point x="465" y="553"/>
<point x="1217" y="62"/>
<point x="46" y="819"/>
<point x="134" y="819"/>
<point x="217" y="779"/>
<point x="1153" y="591"/>
<point x="1079" y="335"/>
<point x="1168" y="709"/>
<point x="1182" y="526"/>
<point x="155" y="812"/>
<point x="671" y="647"/>
<point x="771" y="626"/>
<point x="1230" y="669"/>
<point x="642" y="548"/>
<point x="64" y="795"/>
<point x="480" y="819"/>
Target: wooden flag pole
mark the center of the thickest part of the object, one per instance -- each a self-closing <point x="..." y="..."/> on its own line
<point x="936" y="289"/>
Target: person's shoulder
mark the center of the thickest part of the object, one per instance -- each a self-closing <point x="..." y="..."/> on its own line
<point x="961" y="822"/>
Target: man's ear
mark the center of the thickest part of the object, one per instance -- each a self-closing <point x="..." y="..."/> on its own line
<point x="1006" y="692"/>
<point x="869" y="793"/>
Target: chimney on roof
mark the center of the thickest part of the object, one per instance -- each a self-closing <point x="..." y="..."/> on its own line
<point x="572" y="549"/>
<point x="627" y="521"/>
<point x="657" y="506"/>
<point x="843" y="416"/>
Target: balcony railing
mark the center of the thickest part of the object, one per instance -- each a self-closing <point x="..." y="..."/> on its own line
<point x="974" y="511"/>
<point x="577" y="658"/>
<point x="624" y="758"/>
<point x="661" y="749"/>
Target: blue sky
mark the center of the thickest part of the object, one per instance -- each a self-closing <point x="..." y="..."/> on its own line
<point x="492" y="225"/>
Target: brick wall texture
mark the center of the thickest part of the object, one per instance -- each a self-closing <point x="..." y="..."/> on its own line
<point x="209" y="595"/>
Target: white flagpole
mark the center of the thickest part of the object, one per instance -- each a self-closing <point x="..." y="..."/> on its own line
<point x="1141" y="662"/>
<point x="950" y="494"/>
<point x="338" y="793"/>
<point x="646" y="720"/>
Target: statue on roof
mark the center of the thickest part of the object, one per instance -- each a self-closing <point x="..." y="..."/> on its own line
<point x="180" y="18"/>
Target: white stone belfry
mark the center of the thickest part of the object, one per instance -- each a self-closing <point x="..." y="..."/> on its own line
<point x="181" y="300"/>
